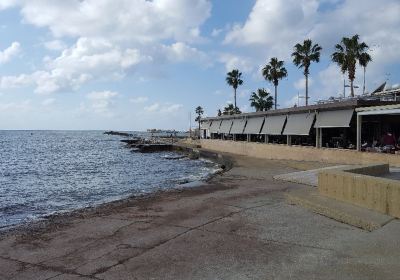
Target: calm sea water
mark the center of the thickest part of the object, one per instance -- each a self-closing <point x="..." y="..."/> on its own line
<point x="44" y="172"/>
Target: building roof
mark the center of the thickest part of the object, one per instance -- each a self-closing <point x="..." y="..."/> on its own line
<point x="328" y="106"/>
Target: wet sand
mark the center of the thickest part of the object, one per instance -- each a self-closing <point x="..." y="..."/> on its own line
<point x="236" y="226"/>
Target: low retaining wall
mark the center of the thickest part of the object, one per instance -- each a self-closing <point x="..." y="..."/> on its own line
<point x="355" y="185"/>
<point x="276" y="151"/>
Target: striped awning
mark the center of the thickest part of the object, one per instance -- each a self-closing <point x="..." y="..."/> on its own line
<point x="225" y="126"/>
<point x="238" y="126"/>
<point x="274" y="125"/>
<point x="299" y="124"/>
<point x="253" y="125"/>
<point x="340" y="118"/>
<point x="215" y="126"/>
<point x="205" y="125"/>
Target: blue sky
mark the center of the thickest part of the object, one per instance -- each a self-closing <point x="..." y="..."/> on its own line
<point x="135" y="64"/>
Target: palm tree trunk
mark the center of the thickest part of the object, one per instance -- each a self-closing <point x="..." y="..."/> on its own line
<point x="199" y="130"/>
<point x="306" y="90"/>
<point x="364" y="82"/>
<point x="276" y="96"/>
<point x="352" y="88"/>
<point x="234" y="89"/>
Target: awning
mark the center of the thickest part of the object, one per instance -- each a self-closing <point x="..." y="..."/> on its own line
<point x="205" y="125"/>
<point x="393" y="109"/>
<point x="299" y="124"/>
<point x="340" y="118"/>
<point x="238" y="126"/>
<point x="225" y="126"/>
<point x="215" y="126"/>
<point x="274" y="125"/>
<point x="253" y="125"/>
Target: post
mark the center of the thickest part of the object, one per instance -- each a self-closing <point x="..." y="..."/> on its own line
<point x="234" y="137"/>
<point x="248" y="137"/>
<point x="289" y="140"/>
<point x="266" y="139"/>
<point x="359" y="125"/>
<point x="317" y="144"/>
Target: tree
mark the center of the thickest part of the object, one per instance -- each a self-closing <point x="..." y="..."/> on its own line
<point x="347" y="53"/>
<point x="230" y="110"/>
<point x="273" y="72"/>
<point x="261" y="100"/>
<point x="233" y="79"/>
<point x="199" y="111"/>
<point x="364" y="59"/>
<point x="303" y="55"/>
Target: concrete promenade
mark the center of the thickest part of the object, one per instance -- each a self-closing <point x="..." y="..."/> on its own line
<point x="238" y="226"/>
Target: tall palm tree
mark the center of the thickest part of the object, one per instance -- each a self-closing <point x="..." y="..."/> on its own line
<point x="261" y="100"/>
<point x="347" y="54"/>
<point x="199" y="111"/>
<point x="273" y="72"/>
<point x="233" y="79"/>
<point x="303" y="55"/>
<point x="363" y="60"/>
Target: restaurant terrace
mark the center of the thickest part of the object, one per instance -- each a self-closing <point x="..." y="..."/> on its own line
<point x="361" y="123"/>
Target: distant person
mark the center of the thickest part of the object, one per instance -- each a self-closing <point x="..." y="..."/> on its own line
<point x="388" y="139"/>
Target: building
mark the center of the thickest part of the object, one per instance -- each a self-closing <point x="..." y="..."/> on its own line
<point x="353" y="123"/>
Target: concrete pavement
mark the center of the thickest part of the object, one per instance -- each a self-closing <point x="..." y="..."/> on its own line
<point x="238" y="226"/>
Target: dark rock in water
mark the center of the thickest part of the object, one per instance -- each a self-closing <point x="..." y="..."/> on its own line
<point x="194" y="155"/>
<point x="132" y="141"/>
<point x="118" y="133"/>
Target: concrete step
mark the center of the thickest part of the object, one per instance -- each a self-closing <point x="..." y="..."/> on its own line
<point x="308" y="177"/>
<point x="309" y="197"/>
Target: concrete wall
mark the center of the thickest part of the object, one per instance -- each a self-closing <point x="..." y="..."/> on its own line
<point x="353" y="186"/>
<point x="275" y="151"/>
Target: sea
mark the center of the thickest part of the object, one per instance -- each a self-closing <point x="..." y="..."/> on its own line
<point x="48" y="172"/>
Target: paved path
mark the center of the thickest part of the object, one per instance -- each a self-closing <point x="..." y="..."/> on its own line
<point x="237" y="227"/>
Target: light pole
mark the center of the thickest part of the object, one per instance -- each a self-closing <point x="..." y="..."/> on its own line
<point x="345" y="86"/>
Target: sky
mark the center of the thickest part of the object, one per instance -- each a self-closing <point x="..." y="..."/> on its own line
<point x="139" y="64"/>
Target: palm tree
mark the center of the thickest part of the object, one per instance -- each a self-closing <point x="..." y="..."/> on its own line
<point x="347" y="54"/>
<point x="233" y="79"/>
<point x="230" y="110"/>
<point x="273" y="72"/>
<point x="303" y="55"/>
<point x="199" y="111"/>
<point x="261" y="100"/>
<point x="363" y="60"/>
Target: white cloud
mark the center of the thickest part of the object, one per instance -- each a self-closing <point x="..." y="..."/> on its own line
<point x="48" y="101"/>
<point x="101" y="101"/>
<point x="4" y="4"/>
<point x="138" y="100"/>
<point x="300" y="84"/>
<point x="180" y="52"/>
<point x="10" y="52"/>
<point x="19" y="107"/>
<point x="135" y="20"/>
<point x="55" y="45"/>
<point x="166" y="108"/>
<point x="22" y="80"/>
<point x="275" y="25"/>
<point x="152" y="108"/>
<point x="233" y="61"/>
<point x="88" y="59"/>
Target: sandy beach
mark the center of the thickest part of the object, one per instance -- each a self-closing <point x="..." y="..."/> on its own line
<point x="236" y="226"/>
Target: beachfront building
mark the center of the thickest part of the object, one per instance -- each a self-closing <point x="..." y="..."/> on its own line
<point x="366" y="123"/>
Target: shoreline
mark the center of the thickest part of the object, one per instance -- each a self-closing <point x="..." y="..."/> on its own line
<point x="58" y="220"/>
